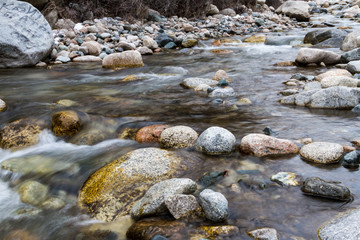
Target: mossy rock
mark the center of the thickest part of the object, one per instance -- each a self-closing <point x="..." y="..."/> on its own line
<point x="20" y="133"/>
<point x="66" y="123"/>
<point x="112" y="191"/>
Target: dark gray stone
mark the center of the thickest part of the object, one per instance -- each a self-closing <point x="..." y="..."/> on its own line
<point x="351" y="159"/>
<point x="352" y="55"/>
<point x="318" y="36"/>
<point x="162" y="39"/>
<point x="170" y="45"/>
<point x="318" y="187"/>
<point x="353" y="67"/>
<point x="26" y="36"/>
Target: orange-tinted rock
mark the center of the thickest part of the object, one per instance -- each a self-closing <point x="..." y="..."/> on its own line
<point x="221" y="51"/>
<point x="217" y="42"/>
<point x="66" y="123"/>
<point x="220" y="74"/>
<point x="348" y="148"/>
<point x="150" y="134"/>
<point x="262" y="145"/>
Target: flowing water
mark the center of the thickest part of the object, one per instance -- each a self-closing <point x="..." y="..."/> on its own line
<point x="157" y="97"/>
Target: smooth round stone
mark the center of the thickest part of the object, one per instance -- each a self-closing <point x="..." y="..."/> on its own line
<point x="33" y="192"/>
<point x="322" y="152"/>
<point x="2" y="105"/>
<point x="215" y="141"/>
<point x="214" y="204"/>
<point x="178" y="137"/>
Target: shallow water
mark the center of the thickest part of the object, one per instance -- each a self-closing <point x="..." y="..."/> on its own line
<point x="158" y="98"/>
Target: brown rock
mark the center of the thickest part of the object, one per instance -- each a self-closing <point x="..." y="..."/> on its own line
<point x="145" y="51"/>
<point x="150" y="134"/>
<point x="216" y="42"/>
<point x="256" y="39"/>
<point x="356" y="141"/>
<point x="146" y="229"/>
<point x="285" y="64"/>
<point x="213" y="232"/>
<point x="219" y="75"/>
<point x="188" y="27"/>
<point x="348" y="148"/>
<point x="93" y="47"/>
<point x="221" y="51"/>
<point x="66" y="123"/>
<point x="20" y="133"/>
<point x="181" y="205"/>
<point x="124" y="59"/>
<point x="262" y="145"/>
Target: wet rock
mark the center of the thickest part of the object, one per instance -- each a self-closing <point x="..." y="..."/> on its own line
<point x="202" y="88"/>
<point x="286" y="179"/>
<point x="3" y="106"/>
<point x="162" y="39"/>
<point x="295" y="9"/>
<point x="352" y="55"/>
<point x="210" y="178"/>
<point x="150" y="134"/>
<point x="111" y="191"/>
<point x="214" y="232"/>
<point x="318" y="36"/>
<point x="33" y="192"/>
<point x="126" y="45"/>
<point x="148" y="228"/>
<point x="66" y="123"/>
<point x="351" y="41"/>
<point x="53" y="204"/>
<point x="281" y="40"/>
<point x="264" y="234"/>
<point x="243" y="101"/>
<point x="178" y="137"/>
<point x="21" y="235"/>
<point x="194" y="82"/>
<point x="153" y="202"/>
<point x="344" y="226"/>
<point x="125" y="59"/>
<point x="63" y="59"/>
<point x="262" y="145"/>
<point x="353" y="67"/>
<point x="310" y="86"/>
<point x="214" y="205"/>
<point x="87" y="59"/>
<point x="338" y="97"/>
<point x="222" y="92"/>
<point x="221" y="51"/>
<point x="311" y="55"/>
<point x="338" y="81"/>
<point x="170" y="45"/>
<point x="159" y="237"/>
<point x="150" y="43"/>
<point x="332" y="73"/>
<point x="268" y="131"/>
<point x="356" y="109"/>
<point x="181" y="205"/>
<point x="259" y="38"/>
<point x="318" y="187"/>
<point x="189" y="42"/>
<point x="351" y="159"/>
<point x="220" y="74"/>
<point x="35" y="165"/>
<point x="20" y="133"/>
<point x="26" y="36"/>
<point x="289" y="92"/>
<point x="94" y="48"/>
<point x="322" y="152"/>
<point x="215" y="141"/>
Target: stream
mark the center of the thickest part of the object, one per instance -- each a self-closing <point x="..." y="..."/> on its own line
<point x="156" y="97"/>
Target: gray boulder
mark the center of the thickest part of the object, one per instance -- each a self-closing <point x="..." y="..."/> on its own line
<point x="214" y="204"/>
<point x="322" y="152"/>
<point x="352" y="55"/>
<point x="215" y="141"/>
<point x="339" y="81"/>
<point x="194" y="82"/>
<point x="153" y="202"/>
<point x="345" y="226"/>
<point x="311" y="55"/>
<point x="351" y="40"/>
<point x="26" y="36"/>
<point x="318" y="187"/>
<point x="353" y="67"/>
<point x="318" y="36"/>
<point x="222" y="92"/>
<point x="295" y="9"/>
<point x="181" y="205"/>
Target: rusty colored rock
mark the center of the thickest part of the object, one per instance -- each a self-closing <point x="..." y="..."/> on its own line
<point x="150" y="134"/>
<point x="262" y="145"/>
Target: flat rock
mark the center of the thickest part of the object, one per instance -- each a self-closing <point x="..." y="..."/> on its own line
<point x="311" y="55"/>
<point x="259" y="38"/>
<point x="124" y="59"/>
<point x="322" y="152"/>
<point x="112" y="191"/>
<point x="222" y="92"/>
<point x="264" y="234"/>
<point x="194" y="82"/>
<point x="215" y="141"/>
<point x="214" y="204"/>
<point x="178" y="137"/>
<point x="318" y="36"/>
<point x="87" y="59"/>
<point x="33" y="192"/>
<point x="181" y="205"/>
<point x="318" y="187"/>
<point x="333" y="73"/>
<point x="153" y="201"/>
<point x="344" y="226"/>
<point x="262" y="145"/>
<point x="339" y="81"/>
<point x="26" y="36"/>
